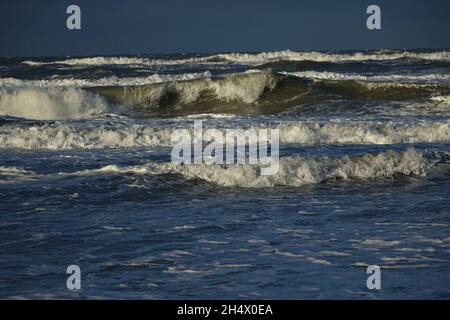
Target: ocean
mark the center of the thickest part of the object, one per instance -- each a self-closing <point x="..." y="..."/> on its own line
<point x="86" y="176"/>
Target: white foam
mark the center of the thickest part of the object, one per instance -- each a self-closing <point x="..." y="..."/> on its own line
<point x="288" y="55"/>
<point x="50" y="103"/>
<point x="67" y="136"/>
<point x="111" y="60"/>
<point x="442" y="99"/>
<point x="363" y="132"/>
<point x="244" y="87"/>
<point x="293" y="171"/>
<point x="299" y="171"/>
<point x="325" y="75"/>
<point x="108" y="81"/>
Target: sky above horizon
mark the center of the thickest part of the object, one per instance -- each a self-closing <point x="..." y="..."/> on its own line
<point x="38" y="28"/>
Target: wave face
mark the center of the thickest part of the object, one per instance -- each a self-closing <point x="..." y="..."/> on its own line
<point x="256" y="93"/>
<point x="229" y="94"/>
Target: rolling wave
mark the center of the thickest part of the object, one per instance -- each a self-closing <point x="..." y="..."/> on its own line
<point x="256" y="93"/>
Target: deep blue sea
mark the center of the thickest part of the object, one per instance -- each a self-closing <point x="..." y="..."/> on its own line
<point x="86" y="176"/>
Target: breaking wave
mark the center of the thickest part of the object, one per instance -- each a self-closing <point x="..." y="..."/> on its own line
<point x="206" y="95"/>
<point x="51" y="103"/>
<point x="299" y="171"/>
<point x="255" y="93"/>
<point x="58" y="136"/>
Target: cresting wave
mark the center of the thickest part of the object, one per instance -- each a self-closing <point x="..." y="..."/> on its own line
<point x="251" y="58"/>
<point x="255" y="93"/>
<point x="58" y="136"/>
<point x="207" y="95"/>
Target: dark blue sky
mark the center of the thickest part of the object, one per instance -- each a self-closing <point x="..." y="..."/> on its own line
<point x="36" y="28"/>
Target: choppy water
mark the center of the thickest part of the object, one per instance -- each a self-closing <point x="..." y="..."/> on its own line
<point x="86" y="176"/>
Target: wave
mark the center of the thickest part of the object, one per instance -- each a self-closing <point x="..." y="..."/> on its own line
<point x="364" y="133"/>
<point x="325" y="75"/>
<point x="51" y="103"/>
<point x="294" y="171"/>
<point x="228" y="94"/>
<point x="251" y="92"/>
<point x="129" y="61"/>
<point x="107" y="81"/>
<point x="57" y="136"/>
<point x="288" y="55"/>
<point x="251" y="58"/>
<point x="256" y="92"/>
<point x="300" y="171"/>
